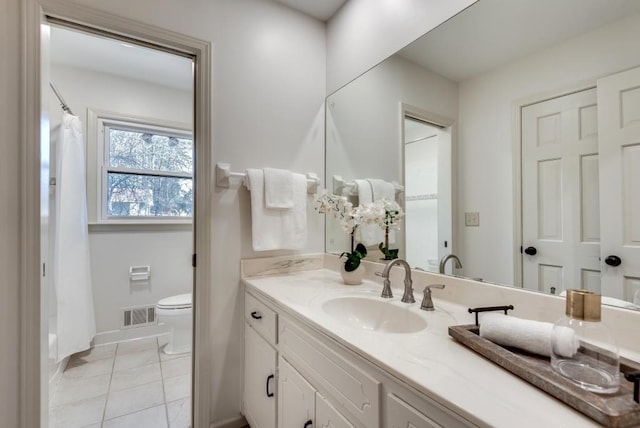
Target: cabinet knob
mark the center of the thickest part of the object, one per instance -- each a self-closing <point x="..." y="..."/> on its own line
<point x="269" y="393"/>
<point x="531" y="251"/>
<point x="308" y="423"/>
<point x="613" y="260"/>
<point x="256" y="315"/>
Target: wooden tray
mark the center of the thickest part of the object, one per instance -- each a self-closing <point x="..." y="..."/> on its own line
<point x="612" y="410"/>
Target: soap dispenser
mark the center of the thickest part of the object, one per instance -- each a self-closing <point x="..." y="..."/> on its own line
<point x="595" y="364"/>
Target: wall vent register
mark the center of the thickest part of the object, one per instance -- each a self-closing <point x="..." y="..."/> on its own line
<point x="138" y="316"/>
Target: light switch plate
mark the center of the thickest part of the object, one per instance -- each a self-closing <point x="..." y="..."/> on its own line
<point x="472" y="219"/>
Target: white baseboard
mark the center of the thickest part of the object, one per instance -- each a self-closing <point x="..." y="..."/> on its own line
<point x="129" y="334"/>
<point x="235" y="422"/>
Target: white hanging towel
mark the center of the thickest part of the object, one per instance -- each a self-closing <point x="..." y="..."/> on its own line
<point x="382" y="189"/>
<point x="72" y="266"/>
<point x="278" y="188"/>
<point x="368" y="234"/>
<point x="276" y="229"/>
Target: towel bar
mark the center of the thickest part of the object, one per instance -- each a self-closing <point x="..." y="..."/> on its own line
<point x="224" y="173"/>
<point x="339" y="184"/>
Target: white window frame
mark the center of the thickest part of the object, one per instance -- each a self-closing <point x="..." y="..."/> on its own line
<point x="101" y="122"/>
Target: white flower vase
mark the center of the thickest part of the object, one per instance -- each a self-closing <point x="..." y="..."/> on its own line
<point x="353" y="277"/>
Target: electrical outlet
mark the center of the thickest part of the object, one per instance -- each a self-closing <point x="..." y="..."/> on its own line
<point x="472" y="219"/>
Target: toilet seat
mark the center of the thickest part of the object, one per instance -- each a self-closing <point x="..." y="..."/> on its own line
<point x="181" y="301"/>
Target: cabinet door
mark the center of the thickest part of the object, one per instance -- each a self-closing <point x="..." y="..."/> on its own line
<point x="327" y="416"/>
<point x="296" y="398"/>
<point x="402" y="415"/>
<point x="259" y="380"/>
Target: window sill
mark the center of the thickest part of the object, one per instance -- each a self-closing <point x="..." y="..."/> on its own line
<point x="140" y="225"/>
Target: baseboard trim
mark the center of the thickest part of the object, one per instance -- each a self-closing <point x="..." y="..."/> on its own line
<point x="235" y="422"/>
<point x="115" y="336"/>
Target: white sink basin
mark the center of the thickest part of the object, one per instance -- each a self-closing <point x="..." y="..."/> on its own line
<point x="373" y="315"/>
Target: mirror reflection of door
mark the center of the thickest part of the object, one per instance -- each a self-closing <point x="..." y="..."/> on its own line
<point x="560" y="206"/>
<point x="427" y="178"/>
<point x="580" y="181"/>
<point x="619" y="123"/>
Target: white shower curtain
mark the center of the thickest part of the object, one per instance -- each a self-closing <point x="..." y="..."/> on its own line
<point x="72" y="272"/>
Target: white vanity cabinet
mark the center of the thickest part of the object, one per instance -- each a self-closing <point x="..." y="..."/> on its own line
<point x="321" y="383"/>
<point x="259" y="394"/>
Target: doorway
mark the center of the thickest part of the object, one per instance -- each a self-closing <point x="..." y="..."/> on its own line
<point x="427" y="178"/>
<point x="33" y="405"/>
<point x="134" y="107"/>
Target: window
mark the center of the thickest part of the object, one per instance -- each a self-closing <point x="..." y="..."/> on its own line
<point x="146" y="171"/>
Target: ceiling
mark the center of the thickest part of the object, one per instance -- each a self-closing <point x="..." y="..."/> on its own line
<point x="492" y="33"/>
<point x="319" y="9"/>
<point x="82" y="50"/>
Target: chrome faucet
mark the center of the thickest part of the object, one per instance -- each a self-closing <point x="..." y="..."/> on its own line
<point x="445" y="259"/>
<point x="427" y="303"/>
<point x="408" y="282"/>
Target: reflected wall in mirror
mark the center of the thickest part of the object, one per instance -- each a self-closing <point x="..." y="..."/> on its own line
<point x="540" y="99"/>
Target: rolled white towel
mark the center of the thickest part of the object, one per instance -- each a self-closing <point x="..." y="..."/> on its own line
<point x="532" y="336"/>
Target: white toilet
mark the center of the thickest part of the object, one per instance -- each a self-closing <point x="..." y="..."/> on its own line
<point x="175" y="312"/>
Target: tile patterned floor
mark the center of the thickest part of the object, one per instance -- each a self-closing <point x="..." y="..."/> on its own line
<point x="129" y="384"/>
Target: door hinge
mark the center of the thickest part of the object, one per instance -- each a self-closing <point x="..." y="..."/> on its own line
<point x="193" y="260"/>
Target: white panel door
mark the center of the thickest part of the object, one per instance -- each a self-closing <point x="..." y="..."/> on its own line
<point x="259" y="380"/>
<point x="619" y="120"/>
<point x="560" y="196"/>
<point x="296" y="398"/>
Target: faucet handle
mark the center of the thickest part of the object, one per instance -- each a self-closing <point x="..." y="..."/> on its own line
<point x="430" y="286"/>
<point x="427" y="302"/>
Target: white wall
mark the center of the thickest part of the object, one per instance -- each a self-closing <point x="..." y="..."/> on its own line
<point x="365" y="32"/>
<point x="485" y="130"/>
<point x="10" y="244"/>
<point x="268" y="90"/>
<point x="365" y="115"/>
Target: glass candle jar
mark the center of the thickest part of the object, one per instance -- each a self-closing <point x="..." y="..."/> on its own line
<point x="595" y="364"/>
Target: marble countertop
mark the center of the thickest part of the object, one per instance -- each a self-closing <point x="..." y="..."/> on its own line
<point x="428" y="360"/>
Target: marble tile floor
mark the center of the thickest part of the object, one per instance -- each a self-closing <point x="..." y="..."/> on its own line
<point x="128" y="384"/>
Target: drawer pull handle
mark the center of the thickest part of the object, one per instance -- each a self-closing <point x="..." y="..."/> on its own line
<point x="256" y="315"/>
<point x="308" y="423"/>
<point x="269" y="394"/>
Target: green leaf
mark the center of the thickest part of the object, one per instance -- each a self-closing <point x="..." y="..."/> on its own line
<point x="351" y="264"/>
<point x="388" y="254"/>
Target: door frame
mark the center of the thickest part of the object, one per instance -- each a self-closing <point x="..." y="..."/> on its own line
<point x="516" y="120"/>
<point x="37" y="12"/>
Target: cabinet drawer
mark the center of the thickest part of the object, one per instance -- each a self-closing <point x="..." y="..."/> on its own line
<point x="261" y="318"/>
<point x="401" y="414"/>
<point x="354" y="392"/>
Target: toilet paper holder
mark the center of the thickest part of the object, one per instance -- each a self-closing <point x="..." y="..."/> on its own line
<point x="139" y="273"/>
